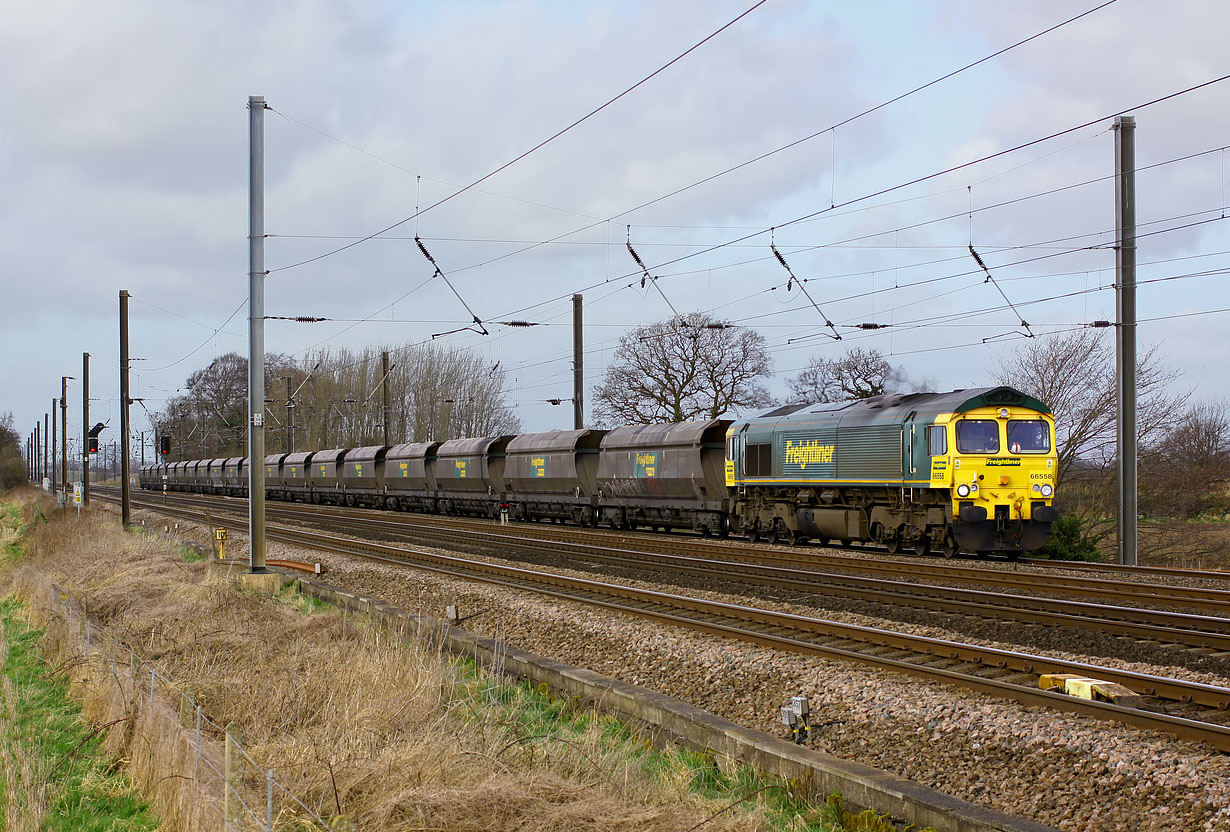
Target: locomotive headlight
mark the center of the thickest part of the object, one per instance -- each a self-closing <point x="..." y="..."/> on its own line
<point x="962" y="490"/>
<point x="1037" y="487"/>
<point x="1047" y="490"/>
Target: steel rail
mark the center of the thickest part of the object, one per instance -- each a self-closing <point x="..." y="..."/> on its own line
<point x="1180" y="596"/>
<point x="1212" y="600"/>
<point x="1171" y="627"/>
<point x="670" y="607"/>
<point x="919" y="567"/>
<point x="1199" y="631"/>
<point x="1168" y="571"/>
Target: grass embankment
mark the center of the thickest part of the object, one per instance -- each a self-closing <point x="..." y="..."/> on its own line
<point x="52" y="775"/>
<point x="358" y="721"/>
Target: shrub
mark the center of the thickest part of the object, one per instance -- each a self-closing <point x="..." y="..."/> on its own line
<point x="12" y="471"/>
<point x="1070" y="542"/>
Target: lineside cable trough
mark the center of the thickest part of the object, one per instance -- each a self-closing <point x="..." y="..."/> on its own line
<point x="219" y="549"/>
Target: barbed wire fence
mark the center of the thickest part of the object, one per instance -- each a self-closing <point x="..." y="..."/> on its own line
<point x="245" y="796"/>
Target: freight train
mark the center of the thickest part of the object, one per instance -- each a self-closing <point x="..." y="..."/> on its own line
<point x="968" y="470"/>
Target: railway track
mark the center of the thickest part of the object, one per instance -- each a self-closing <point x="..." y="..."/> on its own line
<point x="1214" y="602"/>
<point x="1186" y="709"/>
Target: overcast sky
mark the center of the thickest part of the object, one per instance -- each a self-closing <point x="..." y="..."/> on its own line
<point x="124" y="152"/>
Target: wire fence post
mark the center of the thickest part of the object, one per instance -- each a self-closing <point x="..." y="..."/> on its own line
<point x="133" y="666"/>
<point x="232" y="779"/>
<point x="196" y="771"/>
<point x="152" y="676"/>
<point x="269" y="801"/>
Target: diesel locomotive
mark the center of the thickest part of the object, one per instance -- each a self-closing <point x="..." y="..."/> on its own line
<point x="969" y="470"/>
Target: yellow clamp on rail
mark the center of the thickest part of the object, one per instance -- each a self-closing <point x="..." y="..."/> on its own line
<point x="1095" y="690"/>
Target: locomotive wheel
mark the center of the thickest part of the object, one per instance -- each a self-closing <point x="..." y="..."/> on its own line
<point x="893" y="544"/>
<point x="950" y="547"/>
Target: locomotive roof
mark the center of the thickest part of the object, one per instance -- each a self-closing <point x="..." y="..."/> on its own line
<point x="954" y="401"/>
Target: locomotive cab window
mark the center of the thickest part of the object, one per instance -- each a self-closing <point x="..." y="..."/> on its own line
<point x="937" y="441"/>
<point x="1028" y="437"/>
<point x="978" y="436"/>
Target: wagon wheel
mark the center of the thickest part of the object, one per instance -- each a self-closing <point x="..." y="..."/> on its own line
<point x="753" y="534"/>
<point x="922" y="546"/>
<point x="793" y="538"/>
<point x="893" y="544"/>
<point x="774" y="535"/>
<point x="950" y="548"/>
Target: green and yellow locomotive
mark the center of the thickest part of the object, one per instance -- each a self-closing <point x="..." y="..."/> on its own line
<point x="969" y="470"/>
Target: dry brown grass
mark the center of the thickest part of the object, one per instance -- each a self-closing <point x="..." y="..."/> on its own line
<point x="395" y="735"/>
<point x="1190" y="544"/>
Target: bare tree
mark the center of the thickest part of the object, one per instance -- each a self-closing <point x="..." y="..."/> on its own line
<point x="210" y="419"/>
<point x="1186" y="471"/>
<point x="435" y="394"/>
<point x="1074" y="374"/>
<point x="685" y="368"/>
<point x="856" y="374"/>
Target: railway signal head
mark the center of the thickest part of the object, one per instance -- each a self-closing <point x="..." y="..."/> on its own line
<point x="164" y="445"/>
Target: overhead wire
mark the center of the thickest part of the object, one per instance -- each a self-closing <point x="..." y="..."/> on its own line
<point x="902" y="185"/>
<point x="405" y="170"/>
<point x="833" y="127"/>
<point x="741" y="165"/>
<point x="1048" y="256"/>
<point x="896" y="187"/>
<point x="536" y="147"/>
<point x="939" y="320"/>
